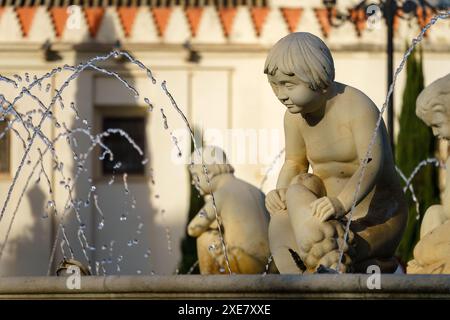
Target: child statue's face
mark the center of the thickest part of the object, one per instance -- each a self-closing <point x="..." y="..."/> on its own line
<point x="439" y="121"/>
<point x="294" y="93"/>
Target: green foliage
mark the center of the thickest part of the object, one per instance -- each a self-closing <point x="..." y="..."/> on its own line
<point x="415" y="143"/>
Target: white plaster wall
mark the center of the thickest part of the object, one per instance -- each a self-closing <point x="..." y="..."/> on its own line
<point x="226" y="90"/>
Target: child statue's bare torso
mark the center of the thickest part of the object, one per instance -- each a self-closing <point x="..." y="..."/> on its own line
<point x="332" y="150"/>
<point x="330" y="142"/>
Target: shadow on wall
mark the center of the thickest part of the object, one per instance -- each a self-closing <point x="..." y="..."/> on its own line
<point x="32" y="244"/>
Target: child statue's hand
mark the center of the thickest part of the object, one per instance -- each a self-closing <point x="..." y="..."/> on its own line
<point x="326" y="208"/>
<point x="276" y="200"/>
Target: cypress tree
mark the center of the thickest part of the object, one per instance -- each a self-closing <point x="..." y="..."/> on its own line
<point x="415" y="143"/>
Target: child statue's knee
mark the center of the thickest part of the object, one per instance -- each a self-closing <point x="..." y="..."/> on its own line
<point x="311" y="182"/>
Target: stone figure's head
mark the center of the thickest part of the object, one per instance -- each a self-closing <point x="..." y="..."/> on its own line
<point x="216" y="163"/>
<point x="300" y="70"/>
<point x="67" y="264"/>
<point x="433" y="107"/>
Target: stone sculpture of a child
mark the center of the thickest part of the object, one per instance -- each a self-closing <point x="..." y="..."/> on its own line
<point x="241" y="208"/>
<point x="432" y="252"/>
<point x="328" y="126"/>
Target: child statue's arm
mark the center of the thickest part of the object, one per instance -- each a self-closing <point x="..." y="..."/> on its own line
<point x="295" y="152"/>
<point x="203" y="219"/>
<point x="295" y="162"/>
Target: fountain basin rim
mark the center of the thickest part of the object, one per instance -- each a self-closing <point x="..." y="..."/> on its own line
<point x="226" y="286"/>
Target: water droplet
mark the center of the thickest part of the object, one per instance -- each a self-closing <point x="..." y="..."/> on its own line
<point x="130" y="243"/>
<point x="212" y="247"/>
<point x="123" y="217"/>
<point x="117" y="165"/>
<point x="90" y="180"/>
<point x="47" y="88"/>
<point x="85" y="122"/>
<point x="93" y="188"/>
<point x="140" y="225"/>
<point x="82" y="226"/>
<point x="135" y="241"/>
<point x="101" y="225"/>
<point x="144" y="162"/>
<point x="27" y="77"/>
<point x="18" y="78"/>
<point x="222" y="270"/>
<point x="119" y="258"/>
<point x="138" y="271"/>
<point x="104" y="247"/>
<point x="50" y="204"/>
<point x="150" y="105"/>
<point x="87" y="203"/>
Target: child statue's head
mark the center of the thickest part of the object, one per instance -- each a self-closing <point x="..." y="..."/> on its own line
<point x="216" y="162"/>
<point x="300" y="69"/>
<point x="433" y="107"/>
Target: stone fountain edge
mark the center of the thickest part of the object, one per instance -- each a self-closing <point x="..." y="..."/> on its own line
<point x="352" y="286"/>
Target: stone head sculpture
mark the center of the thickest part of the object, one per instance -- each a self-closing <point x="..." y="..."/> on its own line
<point x="305" y="61"/>
<point x="433" y="107"/>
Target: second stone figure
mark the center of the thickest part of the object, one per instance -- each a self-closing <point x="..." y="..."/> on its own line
<point x="244" y="218"/>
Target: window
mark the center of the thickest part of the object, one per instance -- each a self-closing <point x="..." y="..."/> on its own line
<point x="123" y="151"/>
<point x="4" y="148"/>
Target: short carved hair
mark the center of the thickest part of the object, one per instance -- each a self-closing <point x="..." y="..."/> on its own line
<point x="304" y="55"/>
<point x="215" y="160"/>
<point x="433" y="95"/>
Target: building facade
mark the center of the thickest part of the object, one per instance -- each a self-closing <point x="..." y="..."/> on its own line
<point x="211" y="56"/>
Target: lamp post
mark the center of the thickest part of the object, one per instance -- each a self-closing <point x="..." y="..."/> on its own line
<point x="390" y="9"/>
